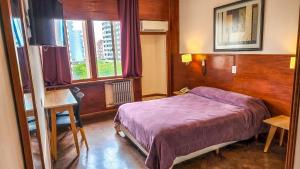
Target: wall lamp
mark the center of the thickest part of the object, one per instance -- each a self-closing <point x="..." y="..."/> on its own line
<point x="186" y="58"/>
<point x="293" y="62"/>
<point x="202" y="58"/>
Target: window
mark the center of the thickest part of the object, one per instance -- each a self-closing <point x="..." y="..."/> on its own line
<point x="105" y="61"/>
<point x="78" y="49"/>
<point x="17" y="32"/>
<point x="108" y="48"/>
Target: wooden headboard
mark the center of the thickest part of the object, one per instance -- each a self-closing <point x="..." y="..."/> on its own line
<point x="264" y="76"/>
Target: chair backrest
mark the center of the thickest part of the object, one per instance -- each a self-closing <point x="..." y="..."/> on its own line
<point x="75" y="90"/>
<point x="31" y="124"/>
<point x="77" y="108"/>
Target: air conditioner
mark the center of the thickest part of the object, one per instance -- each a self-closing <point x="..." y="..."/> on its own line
<point x="154" y="26"/>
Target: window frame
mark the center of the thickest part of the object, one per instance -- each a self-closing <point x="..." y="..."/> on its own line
<point x="113" y="48"/>
<point x="87" y="50"/>
<point x="91" y="52"/>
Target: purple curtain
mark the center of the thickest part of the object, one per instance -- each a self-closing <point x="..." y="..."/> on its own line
<point x="130" y="38"/>
<point x="56" y="66"/>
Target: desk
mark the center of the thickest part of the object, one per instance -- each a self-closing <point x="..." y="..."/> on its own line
<point x="282" y="122"/>
<point x="60" y="101"/>
<point x="56" y="101"/>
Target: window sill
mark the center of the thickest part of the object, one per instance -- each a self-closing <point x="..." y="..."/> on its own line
<point x="90" y="81"/>
<point x="106" y="79"/>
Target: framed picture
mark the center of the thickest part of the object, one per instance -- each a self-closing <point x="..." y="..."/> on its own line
<point x="239" y="26"/>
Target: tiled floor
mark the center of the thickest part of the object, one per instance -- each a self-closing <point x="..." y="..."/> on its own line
<point x="110" y="151"/>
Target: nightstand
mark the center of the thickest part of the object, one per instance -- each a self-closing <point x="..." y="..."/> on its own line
<point x="282" y="122"/>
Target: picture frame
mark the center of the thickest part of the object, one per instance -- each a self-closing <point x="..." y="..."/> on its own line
<point x="239" y="26"/>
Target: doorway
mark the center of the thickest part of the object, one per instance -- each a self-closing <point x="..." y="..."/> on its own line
<point x="154" y="56"/>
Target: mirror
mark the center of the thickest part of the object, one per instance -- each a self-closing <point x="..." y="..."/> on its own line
<point x="25" y="78"/>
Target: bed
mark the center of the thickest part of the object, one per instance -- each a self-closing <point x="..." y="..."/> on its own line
<point x="174" y="129"/>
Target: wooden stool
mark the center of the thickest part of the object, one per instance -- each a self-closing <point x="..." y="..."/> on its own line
<point x="282" y="122"/>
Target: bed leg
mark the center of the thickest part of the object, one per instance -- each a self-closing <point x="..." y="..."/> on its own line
<point x="218" y="151"/>
<point x="256" y="137"/>
<point x="117" y="128"/>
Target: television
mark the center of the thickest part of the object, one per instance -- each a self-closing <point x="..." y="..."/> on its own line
<point x="46" y="23"/>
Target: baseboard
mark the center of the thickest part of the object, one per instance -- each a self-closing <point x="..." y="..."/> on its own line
<point x="154" y="94"/>
<point x="97" y="116"/>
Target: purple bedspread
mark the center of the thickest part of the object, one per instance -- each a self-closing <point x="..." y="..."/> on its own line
<point x="177" y="126"/>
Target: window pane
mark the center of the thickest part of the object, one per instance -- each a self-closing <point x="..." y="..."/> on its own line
<point x="117" y="36"/>
<point x="59" y="32"/>
<point x="78" y="49"/>
<point x="17" y="32"/>
<point x="108" y="55"/>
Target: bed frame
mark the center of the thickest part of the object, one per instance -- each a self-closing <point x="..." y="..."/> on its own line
<point x="120" y="128"/>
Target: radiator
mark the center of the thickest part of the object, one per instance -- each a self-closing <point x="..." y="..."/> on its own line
<point x="118" y="93"/>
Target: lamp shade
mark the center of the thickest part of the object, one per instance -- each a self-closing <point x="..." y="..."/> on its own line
<point x="186" y="58"/>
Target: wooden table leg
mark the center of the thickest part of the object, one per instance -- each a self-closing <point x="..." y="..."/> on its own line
<point x="270" y="138"/>
<point x="281" y="137"/>
<point x="73" y="127"/>
<point x="84" y="137"/>
<point x="53" y="134"/>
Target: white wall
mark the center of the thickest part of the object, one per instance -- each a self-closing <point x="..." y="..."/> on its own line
<point x="154" y="80"/>
<point x="39" y="91"/>
<point x="280" y="26"/>
<point x="10" y="145"/>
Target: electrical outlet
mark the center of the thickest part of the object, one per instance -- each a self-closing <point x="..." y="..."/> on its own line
<point x="233" y="69"/>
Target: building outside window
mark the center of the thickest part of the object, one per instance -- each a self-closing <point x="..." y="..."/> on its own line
<point x="108" y="48"/>
<point x="78" y="49"/>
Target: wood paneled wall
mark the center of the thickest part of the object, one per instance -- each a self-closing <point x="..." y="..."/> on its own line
<point x="173" y="49"/>
<point x="91" y="9"/>
<point x="108" y="9"/>
<point x="94" y="99"/>
<point x="264" y="76"/>
<point x="154" y="9"/>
